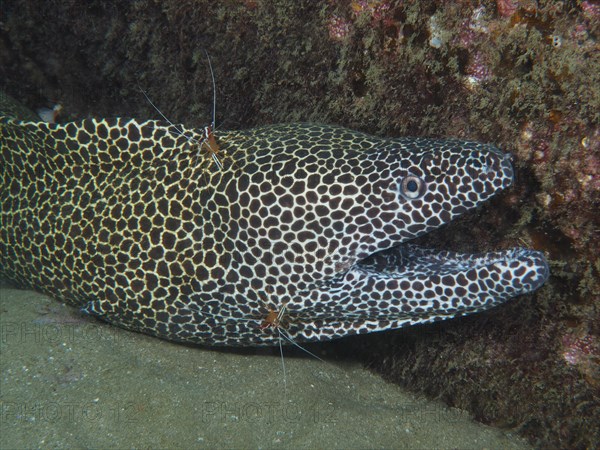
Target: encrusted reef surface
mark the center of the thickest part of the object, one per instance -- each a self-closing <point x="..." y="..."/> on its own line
<point x="524" y="75"/>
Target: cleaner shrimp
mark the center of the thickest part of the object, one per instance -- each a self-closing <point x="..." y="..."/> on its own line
<point x="206" y="146"/>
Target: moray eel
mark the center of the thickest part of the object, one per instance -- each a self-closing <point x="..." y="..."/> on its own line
<point x="301" y="231"/>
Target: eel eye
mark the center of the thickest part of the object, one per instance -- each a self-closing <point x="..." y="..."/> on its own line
<point x="412" y="187"/>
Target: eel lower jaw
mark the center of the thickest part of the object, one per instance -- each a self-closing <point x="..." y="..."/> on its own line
<point x="426" y="285"/>
<point x="409" y="285"/>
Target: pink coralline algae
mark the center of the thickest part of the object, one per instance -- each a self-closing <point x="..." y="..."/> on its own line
<point x="478" y="70"/>
<point x="506" y="8"/>
<point x="577" y="348"/>
<point x="582" y="34"/>
<point x="591" y="10"/>
<point x="338" y="28"/>
<point x="473" y="30"/>
<point x="376" y="8"/>
<point x="583" y="352"/>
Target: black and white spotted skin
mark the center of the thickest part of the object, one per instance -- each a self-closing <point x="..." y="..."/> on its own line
<point x="135" y="223"/>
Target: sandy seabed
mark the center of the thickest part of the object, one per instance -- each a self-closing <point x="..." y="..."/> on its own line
<point x="71" y="381"/>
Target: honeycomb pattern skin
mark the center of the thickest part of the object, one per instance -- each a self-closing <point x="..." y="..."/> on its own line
<point x="302" y="232"/>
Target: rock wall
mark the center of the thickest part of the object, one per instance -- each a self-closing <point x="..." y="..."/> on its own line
<point x="522" y="74"/>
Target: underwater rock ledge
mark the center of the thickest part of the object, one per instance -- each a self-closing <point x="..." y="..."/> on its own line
<point x="522" y="76"/>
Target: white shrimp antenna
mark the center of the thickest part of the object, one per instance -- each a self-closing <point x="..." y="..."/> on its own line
<point x="214" y="85"/>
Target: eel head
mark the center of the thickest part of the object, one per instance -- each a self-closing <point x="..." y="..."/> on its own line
<point x="356" y="201"/>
